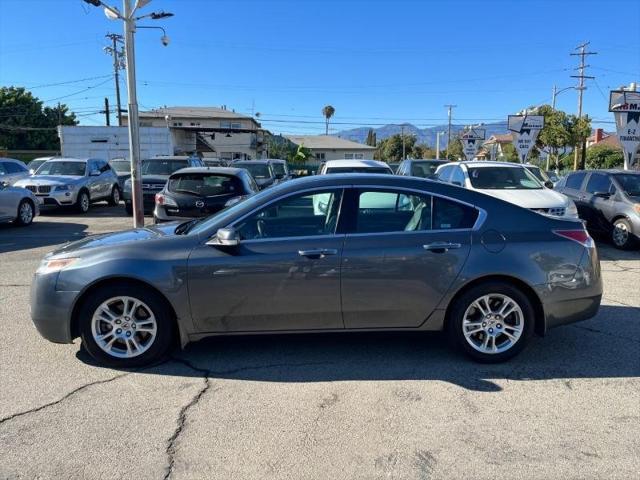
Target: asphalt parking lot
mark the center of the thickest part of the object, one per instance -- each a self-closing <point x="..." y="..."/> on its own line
<point x="310" y="407"/>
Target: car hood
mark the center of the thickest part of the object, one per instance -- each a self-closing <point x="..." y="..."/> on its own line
<point x="117" y="238"/>
<point x="50" y="180"/>
<point x="544" y="198"/>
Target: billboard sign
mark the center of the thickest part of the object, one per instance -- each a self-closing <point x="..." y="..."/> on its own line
<point x="625" y="106"/>
<point x="524" y="130"/>
<point x="471" y="139"/>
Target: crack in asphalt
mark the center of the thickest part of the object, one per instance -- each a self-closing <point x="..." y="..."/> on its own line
<point x="172" y="443"/>
<point x="62" y="399"/>
<point x="621" y="303"/>
<point x="602" y="332"/>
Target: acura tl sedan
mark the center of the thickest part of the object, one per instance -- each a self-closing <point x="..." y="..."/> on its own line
<point x="379" y="252"/>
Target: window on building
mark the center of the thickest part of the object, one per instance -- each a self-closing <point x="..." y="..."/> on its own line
<point x="348" y="156"/>
<point x="320" y="156"/>
<point x="229" y="124"/>
<point x="358" y="156"/>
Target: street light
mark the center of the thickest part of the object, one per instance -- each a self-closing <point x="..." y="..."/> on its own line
<point x="129" y="19"/>
<point x="557" y="92"/>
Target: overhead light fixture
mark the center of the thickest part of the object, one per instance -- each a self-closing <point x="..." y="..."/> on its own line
<point x="111" y="14"/>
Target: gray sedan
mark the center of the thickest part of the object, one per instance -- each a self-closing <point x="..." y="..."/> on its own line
<point x="17" y="205"/>
<point x="329" y="253"/>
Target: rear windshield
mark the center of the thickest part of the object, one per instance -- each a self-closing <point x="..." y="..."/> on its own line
<point x="358" y="170"/>
<point x="630" y="183"/>
<point x="257" y="170"/>
<point x="278" y="168"/>
<point x="120" y="166"/>
<point x="503" y="178"/>
<point x="204" y="184"/>
<point x="162" y="167"/>
<point x="62" y="168"/>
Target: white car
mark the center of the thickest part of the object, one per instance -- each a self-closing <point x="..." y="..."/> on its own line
<point x="511" y="182"/>
<point x="354" y="166"/>
<point x="12" y="170"/>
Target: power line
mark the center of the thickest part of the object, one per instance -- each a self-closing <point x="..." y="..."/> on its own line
<point x="581" y="88"/>
<point x="67" y="82"/>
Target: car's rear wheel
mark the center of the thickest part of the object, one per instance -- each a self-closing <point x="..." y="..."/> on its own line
<point x="126" y="326"/>
<point x="26" y="213"/>
<point x="621" y="234"/>
<point x="83" y="201"/>
<point x="491" y="322"/>
<point x="114" y="199"/>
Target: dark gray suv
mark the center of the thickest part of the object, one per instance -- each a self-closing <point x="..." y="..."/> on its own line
<point x="328" y="253"/>
<point x="609" y="201"/>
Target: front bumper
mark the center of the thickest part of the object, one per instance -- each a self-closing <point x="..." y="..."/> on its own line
<point x="576" y="299"/>
<point x="51" y="309"/>
<point x="57" y="199"/>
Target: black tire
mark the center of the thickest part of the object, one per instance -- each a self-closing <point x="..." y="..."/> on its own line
<point x="465" y="301"/>
<point x="128" y="208"/>
<point x="622" y="234"/>
<point x="83" y="201"/>
<point x="165" y="326"/>
<point x="24" y="220"/>
<point x="114" y="198"/>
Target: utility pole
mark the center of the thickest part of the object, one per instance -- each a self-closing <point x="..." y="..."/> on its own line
<point x="106" y="111"/>
<point x="117" y="65"/>
<point x="404" y="155"/>
<point x="581" y="87"/>
<point x="553" y="97"/>
<point x="438" y="135"/>
<point x="449" y="108"/>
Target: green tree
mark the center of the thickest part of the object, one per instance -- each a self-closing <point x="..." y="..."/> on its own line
<point x="281" y="147"/>
<point x="604" y="156"/>
<point x="423" y="150"/>
<point x="390" y="149"/>
<point x="328" y="111"/>
<point x="371" y="138"/>
<point x="509" y="153"/>
<point x="455" y="150"/>
<point x="26" y="125"/>
<point x="301" y="155"/>
<point x="555" y="136"/>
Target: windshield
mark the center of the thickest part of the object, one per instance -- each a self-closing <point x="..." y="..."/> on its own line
<point x="503" y="178"/>
<point x="57" y="167"/>
<point x="539" y="174"/>
<point x="358" y="170"/>
<point x="425" y="169"/>
<point x="257" y="170"/>
<point x="162" y="167"/>
<point x="121" y="166"/>
<point x="205" y="185"/>
<point x="279" y="169"/>
<point x="630" y="183"/>
<point x="35" y="164"/>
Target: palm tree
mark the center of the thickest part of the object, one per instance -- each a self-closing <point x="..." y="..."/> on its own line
<point x="328" y="112"/>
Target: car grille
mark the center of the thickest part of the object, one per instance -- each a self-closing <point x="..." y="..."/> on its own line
<point x="556" y="211"/>
<point x="39" y="189"/>
<point x="156" y="187"/>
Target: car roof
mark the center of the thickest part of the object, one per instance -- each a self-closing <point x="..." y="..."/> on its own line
<point x="220" y="170"/>
<point x="355" y="164"/>
<point x="427" y="160"/>
<point x="12" y="160"/>
<point x="71" y="159"/>
<point x="252" y="162"/>
<point x="483" y="163"/>
<point x="609" y="170"/>
<point x="169" y="157"/>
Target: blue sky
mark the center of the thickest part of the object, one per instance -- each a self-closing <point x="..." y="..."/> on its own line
<point x="376" y="62"/>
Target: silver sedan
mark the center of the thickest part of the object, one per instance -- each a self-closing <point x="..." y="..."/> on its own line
<point x="17" y="205"/>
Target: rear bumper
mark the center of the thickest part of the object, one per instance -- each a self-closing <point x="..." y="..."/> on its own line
<point x="576" y="299"/>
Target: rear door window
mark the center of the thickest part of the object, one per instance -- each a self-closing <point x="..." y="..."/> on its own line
<point x="445" y="173"/>
<point x="457" y="177"/>
<point x="380" y="211"/>
<point x="575" y="180"/>
<point x="449" y="214"/>
<point x="598" y="183"/>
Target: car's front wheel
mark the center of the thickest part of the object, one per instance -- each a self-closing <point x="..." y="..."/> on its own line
<point x="621" y="234"/>
<point x="26" y="213"/>
<point x="126" y="326"/>
<point x="491" y="322"/>
<point x="83" y="202"/>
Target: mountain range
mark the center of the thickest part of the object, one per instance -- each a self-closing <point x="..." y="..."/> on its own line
<point x="424" y="135"/>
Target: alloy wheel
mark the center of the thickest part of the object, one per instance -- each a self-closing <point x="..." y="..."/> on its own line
<point x="124" y="327"/>
<point x="493" y="323"/>
<point x="84" y="202"/>
<point x="116" y="196"/>
<point x="26" y="213"/>
<point x="620" y="234"/>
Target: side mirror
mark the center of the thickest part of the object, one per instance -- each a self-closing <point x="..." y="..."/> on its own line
<point x="604" y="195"/>
<point x="94" y="173"/>
<point x="225" y="237"/>
<point x="548" y="184"/>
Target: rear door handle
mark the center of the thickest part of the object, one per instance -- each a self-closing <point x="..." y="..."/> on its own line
<point x="317" y="252"/>
<point x="441" y="247"/>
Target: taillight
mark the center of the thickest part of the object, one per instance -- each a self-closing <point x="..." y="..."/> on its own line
<point x="159" y="199"/>
<point x="580" y="236"/>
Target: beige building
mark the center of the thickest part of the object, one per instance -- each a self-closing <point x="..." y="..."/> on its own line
<point x="326" y="147"/>
<point x="492" y="148"/>
<point x="209" y="131"/>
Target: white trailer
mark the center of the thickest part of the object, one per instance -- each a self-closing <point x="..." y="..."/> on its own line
<point x="112" y="142"/>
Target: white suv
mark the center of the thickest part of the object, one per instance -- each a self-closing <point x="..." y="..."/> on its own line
<point x="511" y="182"/>
<point x="354" y="166"/>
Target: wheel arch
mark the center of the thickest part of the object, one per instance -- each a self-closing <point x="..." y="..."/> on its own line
<point x="536" y="302"/>
<point x="120" y="280"/>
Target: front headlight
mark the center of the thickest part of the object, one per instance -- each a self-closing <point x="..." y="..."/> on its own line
<point x="636" y="208"/>
<point x="55" y="265"/>
<point x="64" y="188"/>
<point x="571" y="210"/>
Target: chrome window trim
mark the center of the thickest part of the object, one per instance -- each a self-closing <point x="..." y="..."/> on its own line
<point x="305" y="237"/>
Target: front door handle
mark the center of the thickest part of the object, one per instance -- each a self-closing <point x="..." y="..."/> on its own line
<point x="441" y="247"/>
<point x="317" y="252"/>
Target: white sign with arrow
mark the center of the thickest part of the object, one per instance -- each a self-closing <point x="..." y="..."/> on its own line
<point x="625" y="106"/>
<point x="524" y="130"/>
<point x="471" y="139"/>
